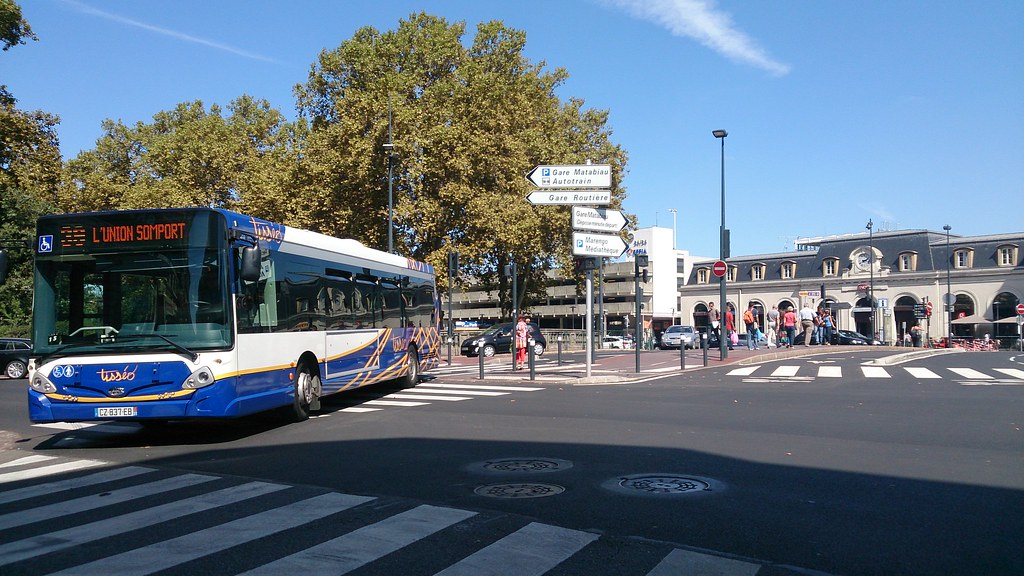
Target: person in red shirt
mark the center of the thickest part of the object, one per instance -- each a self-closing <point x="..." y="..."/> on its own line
<point x="789" y="324"/>
<point x="730" y="324"/>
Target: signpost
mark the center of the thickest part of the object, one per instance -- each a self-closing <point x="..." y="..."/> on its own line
<point x="562" y="197"/>
<point x="597" y="219"/>
<point x="589" y="244"/>
<point x="572" y="176"/>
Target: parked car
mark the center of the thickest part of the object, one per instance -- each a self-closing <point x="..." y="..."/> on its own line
<point x="613" y="342"/>
<point x="498" y="338"/>
<point x="844" y="337"/>
<point x="676" y="336"/>
<point x="14" y="354"/>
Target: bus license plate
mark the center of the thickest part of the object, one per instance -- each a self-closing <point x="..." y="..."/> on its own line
<point x="117" y="412"/>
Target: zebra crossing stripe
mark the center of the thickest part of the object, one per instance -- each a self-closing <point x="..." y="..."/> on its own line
<point x="1014" y="372"/>
<point x="530" y="551"/>
<point x="421" y="390"/>
<point x="75" y="536"/>
<point x="971" y="374"/>
<point x="874" y="372"/>
<point x="163" y="555"/>
<point x="439" y="397"/>
<point x="358" y="409"/>
<point x="50" y="488"/>
<point x="830" y="372"/>
<point x="783" y="371"/>
<point x="360" y="547"/>
<point x="480" y="387"/>
<point x="27" y="460"/>
<point x="747" y="371"/>
<point x="921" y="372"/>
<point x="48" y="470"/>
<point x="689" y="562"/>
<point x="394" y="403"/>
<point x="86" y="503"/>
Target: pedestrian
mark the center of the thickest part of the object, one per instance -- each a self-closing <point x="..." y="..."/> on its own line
<point x="828" y="326"/>
<point x="750" y="319"/>
<point x="917" y="335"/>
<point x="730" y="324"/>
<point x="807" y="323"/>
<point x="522" y="332"/>
<point x="773" y="323"/>
<point x="789" y="323"/>
<point x="714" y="322"/>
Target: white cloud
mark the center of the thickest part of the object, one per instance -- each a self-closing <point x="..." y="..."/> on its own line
<point x="702" y="21"/>
<point x="86" y="9"/>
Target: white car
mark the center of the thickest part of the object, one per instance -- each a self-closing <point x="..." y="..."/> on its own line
<point x="676" y="336"/>
<point x="613" y="342"/>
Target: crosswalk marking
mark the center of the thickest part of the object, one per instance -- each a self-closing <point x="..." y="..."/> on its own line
<point x="917" y="372"/>
<point x="27" y="460"/>
<point x="745" y="371"/>
<point x="830" y="372"/>
<point x="87" y="503"/>
<point x="362" y="546"/>
<point x="481" y="387"/>
<point x="47" y="470"/>
<point x="690" y="562"/>
<point x="465" y="392"/>
<point x="971" y="374"/>
<point x="784" y="371"/>
<point x="394" y="403"/>
<point x="50" y="488"/>
<point x="1014" y="372"/>
<point x="874" y="372"/>
<point x="439" y="397"/>
<point x="358" y="409"/>
<point x="59" y="540"/>
<point x="530" y="551"/>
<point x="163" y="555"/>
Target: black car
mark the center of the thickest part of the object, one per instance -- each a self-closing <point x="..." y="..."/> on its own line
<point x="844" y="337"/>
<point x="498" y="338"/>
<point x="14" y="356"/>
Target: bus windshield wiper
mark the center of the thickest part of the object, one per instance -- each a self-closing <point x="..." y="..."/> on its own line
<point x="184" y="351"/>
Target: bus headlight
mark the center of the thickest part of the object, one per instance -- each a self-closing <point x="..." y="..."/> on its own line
<point x="198" y="379"/>
<point x="41" y="383"/>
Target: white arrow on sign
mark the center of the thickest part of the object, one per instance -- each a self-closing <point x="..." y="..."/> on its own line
<point x="597" y="219"/>
<point x="572" y="176"/>
<point x="570" y="197"/>
<point x="587" y="244"/>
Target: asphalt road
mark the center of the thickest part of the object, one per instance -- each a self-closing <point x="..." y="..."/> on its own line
<point x="821" y="462"/>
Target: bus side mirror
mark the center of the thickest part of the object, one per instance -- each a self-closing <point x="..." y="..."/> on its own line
<point x="250" y="263"/>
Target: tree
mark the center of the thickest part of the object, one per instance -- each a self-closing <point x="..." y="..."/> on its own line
<point x="468" y="124"/>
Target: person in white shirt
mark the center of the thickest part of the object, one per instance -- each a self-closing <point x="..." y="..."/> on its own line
<point x="807" y="323"/>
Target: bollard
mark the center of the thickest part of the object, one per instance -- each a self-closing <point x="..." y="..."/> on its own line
<point x="480" y="355"/>
<point x="531" y="358"/>
<point x="559" y="349"/>
<point x="682" y="354"/>
<point x="705" y="342"/>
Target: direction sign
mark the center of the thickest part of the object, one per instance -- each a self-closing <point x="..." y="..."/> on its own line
<point x="570" y="197"/>
<point x="597" y="219"/>
<point x="719" y="268"/>
<point x="572" y="176"/>
<point x="587" y="244"/>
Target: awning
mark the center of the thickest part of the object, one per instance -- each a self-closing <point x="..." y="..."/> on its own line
<point x="972" y="319"/>
<point x="1007" y="320"/>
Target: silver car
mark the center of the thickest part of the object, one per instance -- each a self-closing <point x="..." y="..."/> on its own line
<point x="676" y="336"/>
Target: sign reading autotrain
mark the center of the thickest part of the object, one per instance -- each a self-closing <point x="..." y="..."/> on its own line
<point x="572" y="176"/>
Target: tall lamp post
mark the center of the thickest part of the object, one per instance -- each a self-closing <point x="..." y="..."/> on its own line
<point x="389" y="148"/>
<point x="723" y="346"/>
<point x="673" y="211"/>
<point x="948" y="299"/>
<point x="871" y="285"/>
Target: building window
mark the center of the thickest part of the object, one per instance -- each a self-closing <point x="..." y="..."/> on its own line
<point x="963" y="258"/>
<point x="732" y="273"/>
<point x="830" y="267"/>
<point x="908" y="261"/>
<point x="757" y="272"/>
<point x="788" y="270"/>
<point x="1006" y="255"/>
<point x="702" y="275"/>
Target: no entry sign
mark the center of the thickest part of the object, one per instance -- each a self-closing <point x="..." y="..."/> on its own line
<point x="719" y="268"/>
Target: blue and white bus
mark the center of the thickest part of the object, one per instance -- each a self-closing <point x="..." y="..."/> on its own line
<point x="204" y="313"/>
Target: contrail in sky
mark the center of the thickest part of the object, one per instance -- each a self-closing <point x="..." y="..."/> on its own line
<point x="86" y="9"/>
<point x="702" y="21"/>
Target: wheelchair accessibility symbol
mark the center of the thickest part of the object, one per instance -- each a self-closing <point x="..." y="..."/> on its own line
<point x="46" y="243"/>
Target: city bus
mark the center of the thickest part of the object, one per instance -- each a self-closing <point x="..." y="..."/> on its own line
<point x="172" y="314"/>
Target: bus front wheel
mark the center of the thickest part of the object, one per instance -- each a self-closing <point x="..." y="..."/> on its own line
<point x="307" y="393"/>
<point x="413" y="375"/>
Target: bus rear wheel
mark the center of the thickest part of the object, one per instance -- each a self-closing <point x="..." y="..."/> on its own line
<point x="412" y="377"/>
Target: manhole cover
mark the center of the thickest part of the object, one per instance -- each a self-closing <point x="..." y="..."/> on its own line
<point x="519" y="490"/>
<point x="521" y="465"/>
<point x="662" y="485"/>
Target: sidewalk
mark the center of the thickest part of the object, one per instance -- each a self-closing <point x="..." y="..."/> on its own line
<point x="618" y="367"/>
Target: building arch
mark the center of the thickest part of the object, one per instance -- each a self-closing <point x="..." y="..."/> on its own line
<point x="963" y="306"/>
<point x="1004" y="305"/>
<point x="862" y="316"/>
<point x="903" y="314"/>
<point x="700" y="317"/>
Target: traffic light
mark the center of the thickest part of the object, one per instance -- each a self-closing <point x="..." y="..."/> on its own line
<point x="584" y="263"/>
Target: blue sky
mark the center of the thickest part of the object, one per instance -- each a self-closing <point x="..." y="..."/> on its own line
<point x="910" y="113"/>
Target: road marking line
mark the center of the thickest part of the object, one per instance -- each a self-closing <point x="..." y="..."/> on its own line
<point x="394" y="403"/>
<point x="51" y="488"/>
<point x="786" y="371"/>
<point x="689" y="562"/>
<point x="360" y="547"/>
<point x="421" y="390"/>
<point x="874" y="372"/>
<point x="971" y="374"/>
<point x="428" y="397"/>
<point x="921" y="372"/>
<point x="49" y="470"/>
<point x="747" y="371"/>
<point x="1012" y="372"/>
<point x="27" y="460"/>
<point x="830" y="371"/>
<point x="530" y="551"/>
<point x="480" y="387"/>
<point x="359" y="409"/>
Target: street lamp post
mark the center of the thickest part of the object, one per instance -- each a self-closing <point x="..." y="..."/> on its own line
<point x="871" y="285"/>
<point x="673" y="211"/>
<point x="723" y="346"/>
<point x="948" y="299"/>
<point x="389" y="148"/>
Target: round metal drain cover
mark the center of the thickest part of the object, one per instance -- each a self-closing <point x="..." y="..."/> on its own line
<point x="521" y="465"/>
<point x="662" y="485"/>
<point x="519" y="490"/>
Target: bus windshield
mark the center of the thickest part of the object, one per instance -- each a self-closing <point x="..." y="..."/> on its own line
<point x="126" y="282"/>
